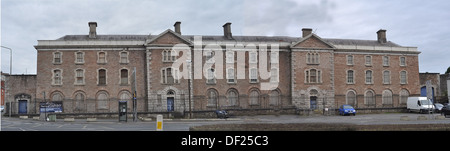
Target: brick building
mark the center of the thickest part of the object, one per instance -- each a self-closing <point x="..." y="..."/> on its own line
<point x="91" y="73"/>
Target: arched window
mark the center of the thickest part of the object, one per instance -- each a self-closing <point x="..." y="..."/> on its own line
<point x="57" y="96"/>
<point x="79" y="101"/>
<point x="387" y="97"/>
<point x="369" y="98"/>
<point x="404" y="94"/>
<point x="351" y="98"/>
<point x="102" y="100"/>
<point x="212" y="97"/>
<point x="274" y="97"/>
<point x="254" y="97"/>
<point x="232" y="97"/>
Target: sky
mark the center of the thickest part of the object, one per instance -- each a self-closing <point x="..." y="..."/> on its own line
<point x="416" y="23"/>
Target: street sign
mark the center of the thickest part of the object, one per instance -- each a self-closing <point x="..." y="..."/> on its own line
<point x="159" y="123"/>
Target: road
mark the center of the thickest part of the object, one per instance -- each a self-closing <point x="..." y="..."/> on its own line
<point x="16" y="124"/>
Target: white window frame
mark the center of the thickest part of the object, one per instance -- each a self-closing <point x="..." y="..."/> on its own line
<point x="230" y="56"/>
<point x="98" y="57"/>
<point x="54" y="76"/>
<point x="368" y="60"/>
<point x="231" y="75"/>
<point x="350" y="61"/>
<point x="400" y="61"/>
<point x="76" y="57"/>
<point x="82" y="76"/>
<point x="371" y="77"/>
<point x="253" y="75"/>
<point x="60" y="57"/>
<point x="120" y="57"/>
<point x="318" y="76"/>
<point x="406" y="77"/>
<point x="98" y="76"/>
<point x="386" y="61"/>
<point x="386" y="80"/>
<point x="348" y="77"/>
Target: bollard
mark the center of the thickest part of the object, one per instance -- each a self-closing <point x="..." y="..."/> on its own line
<point x="159" y="123"/>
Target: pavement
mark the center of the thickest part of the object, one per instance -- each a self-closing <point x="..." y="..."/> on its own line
<point x="29" y="124"/>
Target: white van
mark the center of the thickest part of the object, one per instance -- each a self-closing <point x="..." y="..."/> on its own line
<point x="419" y="104"/>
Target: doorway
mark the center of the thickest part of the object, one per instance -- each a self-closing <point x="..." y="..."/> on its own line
<point x="22" y="106"/>
<point x="313" y="102"/>
<point x="170" y="104"/>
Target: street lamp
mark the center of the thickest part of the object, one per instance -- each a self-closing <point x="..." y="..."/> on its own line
<point x="10" y="73"/>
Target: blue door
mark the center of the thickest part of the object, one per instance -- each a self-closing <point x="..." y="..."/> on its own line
<point x="313" y="102"/>
<point x="170" y="104"/>
<point x="22" y="107"/>
<point x="423" y="91"/>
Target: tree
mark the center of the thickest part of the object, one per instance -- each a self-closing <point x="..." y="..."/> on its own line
<point x="448" y="70"/>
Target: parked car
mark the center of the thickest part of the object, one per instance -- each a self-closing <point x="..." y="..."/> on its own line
<point x="446" y="111"/>
<point x="438" y="107"/>
<point x="347" y="110"/>
<point x="2" y="108"/>
<point x="222" y="114"/>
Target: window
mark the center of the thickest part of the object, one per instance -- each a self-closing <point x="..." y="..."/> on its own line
<point x="169" y="76"/>
<point x="385" y="61"/>
<point x="313" y="76"/>
<point x="79" y="76"/>
<point x="124" y="57"/>
<point x="274" y="97"/>
<point x="351" y="98"/>
<point x="350" y="77"/>
<point x="79" y="57"/>
<point x="386" y="77"/>
<point x="368" y="60"/>
<point x="369" y="98"/>
<point x="387" y="97"/>
<point x="102" y="77"/>
<point x="274" y="75"/>
<point x="57" y="96"/>
<point x="404" y="94"/>
<point x="102" y="100"/>
<point x="232" y="97"/>
<point x="254" y="97"/>
<point x="253" y="75"/>
<point x="79" y="102"/>
<point x="312" y="58"/>
<point x="369" y="77"/>
<point x="230" y="75"/>
<point x="212" y="97"/>
<point x="230" y="56"/>
<point x="57" y="57"/>
<point x="253" y="57"/>
<point x="125" y="96"/>
<point x="101" y="57"/>
<point x="124" y="77"/>
<point x="211" y="76"/>
<point x="349" y="60"/>
<point x="57" y="77"/>
<point x="403" y="77"/>
<point x="402" y="61"/>
<point x="169" y="56"/>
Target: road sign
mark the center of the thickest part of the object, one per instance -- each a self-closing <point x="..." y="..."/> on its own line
<point x="159" y="123"/>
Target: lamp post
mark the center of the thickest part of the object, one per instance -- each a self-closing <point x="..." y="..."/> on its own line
<point x="10" y="73"/>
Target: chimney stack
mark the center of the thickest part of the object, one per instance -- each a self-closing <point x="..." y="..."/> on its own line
<point x="382" y="36"/>
<point x="306" y="32"/>
<point x="92" y="29"/>
<point x="227" y="30"/>
<point x="177" y="27"/>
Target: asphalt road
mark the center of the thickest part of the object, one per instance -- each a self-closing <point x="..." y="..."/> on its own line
<point x="16" y="124"/>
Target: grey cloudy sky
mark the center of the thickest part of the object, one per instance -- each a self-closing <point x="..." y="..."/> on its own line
<point x="423" y="24"/>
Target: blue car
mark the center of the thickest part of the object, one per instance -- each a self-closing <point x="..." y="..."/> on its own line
<point x="347" y="110"/>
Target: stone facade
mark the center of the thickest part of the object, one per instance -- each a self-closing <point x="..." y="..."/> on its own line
<point x="311" y="72"/>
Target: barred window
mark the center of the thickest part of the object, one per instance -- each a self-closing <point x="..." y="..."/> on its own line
<point x="387" y="97"/>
